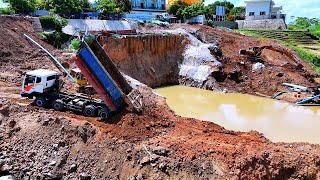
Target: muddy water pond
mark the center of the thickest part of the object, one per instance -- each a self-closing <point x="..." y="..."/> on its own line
<point x="278" y="121"/>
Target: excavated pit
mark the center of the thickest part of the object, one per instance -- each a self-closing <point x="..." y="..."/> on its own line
<point x="152" y="59"/>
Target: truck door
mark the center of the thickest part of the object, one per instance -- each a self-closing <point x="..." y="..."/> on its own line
<point x="29" y="82"/>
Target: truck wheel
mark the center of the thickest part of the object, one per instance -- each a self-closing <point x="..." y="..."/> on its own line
<point x="40" y="101"/>
<point x="58" y="105"/>
<point x="89" y="111"/>
<point x="104" y="113"/>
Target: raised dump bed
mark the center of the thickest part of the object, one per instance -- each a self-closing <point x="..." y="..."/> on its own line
<point x="105" y="77"/>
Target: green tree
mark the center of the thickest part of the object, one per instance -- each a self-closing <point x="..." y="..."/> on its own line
<point x="22" y="6"/>
<point x="108" y="6"/>
<point x="65" y="6"/>
<point x="40" y="4"/>
<point x="228" y="6"/>
<point x="85" y="4"/>
<point x="177" y="8"/>
<point x="123" y="5"/>
<point x="193" y="10"/>
<point x="209" y="11"/>
<point x="303" y="23"/>
<point x="114" y="6"/>
<point x="237" y="13"/>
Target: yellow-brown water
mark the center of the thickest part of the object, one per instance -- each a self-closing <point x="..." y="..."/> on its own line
<point x="278" y="121"/>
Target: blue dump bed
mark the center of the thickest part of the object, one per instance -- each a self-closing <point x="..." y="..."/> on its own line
<point x="101" y="76"/>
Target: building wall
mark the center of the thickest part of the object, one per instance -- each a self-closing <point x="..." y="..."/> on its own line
<point x="275" y="24"/>
<point x="148" y="4"/>
<point x="258" y="7"/>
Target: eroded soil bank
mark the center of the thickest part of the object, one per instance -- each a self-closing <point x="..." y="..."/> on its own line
<point x="39" y="143"/>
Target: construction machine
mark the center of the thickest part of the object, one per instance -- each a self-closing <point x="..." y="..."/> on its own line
<point x="99" y="71"/>
<point x="254" y="54"/>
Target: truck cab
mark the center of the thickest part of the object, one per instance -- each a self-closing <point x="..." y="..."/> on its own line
<point x="38" y="82"/>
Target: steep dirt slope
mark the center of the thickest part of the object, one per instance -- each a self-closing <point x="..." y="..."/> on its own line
<point x="153" y="59"/>
<point x="18" y="55"/>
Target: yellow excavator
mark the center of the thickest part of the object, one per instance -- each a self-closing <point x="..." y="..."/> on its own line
<point x="255" y="52"/>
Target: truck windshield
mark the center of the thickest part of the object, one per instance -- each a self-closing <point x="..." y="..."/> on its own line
<point x="29" y="81"/>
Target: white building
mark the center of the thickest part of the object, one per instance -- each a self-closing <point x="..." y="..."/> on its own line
<point x="262" y="9"/>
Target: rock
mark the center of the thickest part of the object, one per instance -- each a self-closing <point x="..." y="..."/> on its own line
<point x="2" y="162"/>
<point x="5" y="167"/>
<point x="62" y="143"/>
<point x="145" y="161"/>
<point x="48" y="175"/>
<point x="154" y="158"/>
<point x="12" y="124"/>
<point x="140" y="177"/>
<point x="129" y="157"/>
<point x="52" y="163"/>
<point x="161" y="151"/>
<point x="129" y="150"/>
<point x="280" y="74"/>
<point x="73" y="168"/>
<point x="84" y="176"/>
<point x="17" y="129"/>
<point x="45" y="122"/>
<point x="257" y="66"/>
<point x="162" y="166"/>
<point x="5" y="110"/>
<point x="55" y="147"/>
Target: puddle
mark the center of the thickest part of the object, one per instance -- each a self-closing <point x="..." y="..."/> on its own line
<point x="278" y="121"/>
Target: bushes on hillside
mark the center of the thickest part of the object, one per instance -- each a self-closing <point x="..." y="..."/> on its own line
<point x="303" y="23"/>
<point x="4" y="11"/>
<point x="56" y="23"/>
<point x="53" y="22"/>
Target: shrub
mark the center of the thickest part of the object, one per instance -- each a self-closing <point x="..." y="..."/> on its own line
<point x="4" y="11"/>
<point x="75" y="44"/>
<point x="53" y="22"/>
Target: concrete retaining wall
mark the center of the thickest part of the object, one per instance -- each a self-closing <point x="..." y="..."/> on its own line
<point x="227" y="24"/>
<point x="277" y="24"/>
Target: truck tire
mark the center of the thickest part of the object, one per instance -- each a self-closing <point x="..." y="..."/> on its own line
<point x="104" y="113"/>
<point x="58" y="105"/>
<point x="40" y="101"/>
<point x="90" y="111"/>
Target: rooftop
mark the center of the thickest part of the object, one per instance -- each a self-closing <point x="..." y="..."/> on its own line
<point x="42" y="72"/>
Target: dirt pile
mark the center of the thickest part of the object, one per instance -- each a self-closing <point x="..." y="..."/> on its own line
<point x="18" y="55"/>
<point x="238" y="75"/>
<point x="42" y="143"/>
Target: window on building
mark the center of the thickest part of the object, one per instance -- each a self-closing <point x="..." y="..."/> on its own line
<point x="262" y="13"/>
<point x="251" y="13"/>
